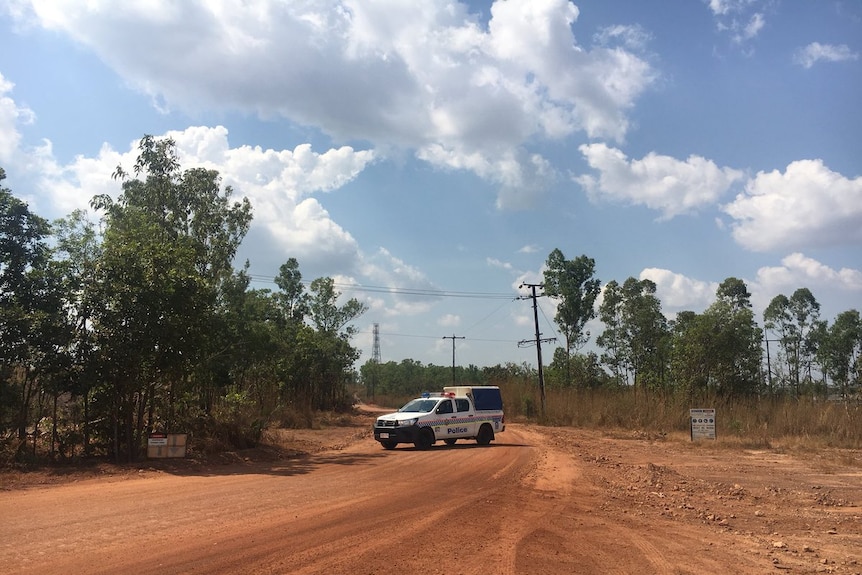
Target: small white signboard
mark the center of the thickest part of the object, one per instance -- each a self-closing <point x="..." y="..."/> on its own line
<point x="702" y="424"/>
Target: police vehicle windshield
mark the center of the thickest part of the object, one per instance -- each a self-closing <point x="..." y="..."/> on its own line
<point x="420" y="406"/>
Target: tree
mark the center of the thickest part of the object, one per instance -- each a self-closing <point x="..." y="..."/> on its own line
<point x="571" y="282"/>
<point x="333" y="356"/>
<point x="690" y="361"/>
<point x="733" y="346"/>
<point x="169" y="242"/>
<point x="579" y="370"/>
<point x="636" y="339"/>
<point x="842" y="350"/>
<point x="291" y="297"/>
<point x="77" y="254"/>
<point x="614" y="339"/>
<point x="326" y="315"/>
<point x="795" y="319"/>
<point x="30" y="311"/>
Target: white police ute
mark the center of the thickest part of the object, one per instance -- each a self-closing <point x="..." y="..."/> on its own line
<point x="458" y="412"/>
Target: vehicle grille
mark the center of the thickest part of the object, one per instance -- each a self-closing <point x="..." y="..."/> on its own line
<point x="385" y="423"/>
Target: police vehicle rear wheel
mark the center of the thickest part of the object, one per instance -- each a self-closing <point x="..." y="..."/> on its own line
<point x="486" y="434"/>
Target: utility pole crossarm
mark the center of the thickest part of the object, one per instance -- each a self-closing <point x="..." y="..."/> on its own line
<point x="529" y="342"/>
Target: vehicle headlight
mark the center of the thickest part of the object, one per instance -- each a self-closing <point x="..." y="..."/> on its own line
<point x="408" y="422"/>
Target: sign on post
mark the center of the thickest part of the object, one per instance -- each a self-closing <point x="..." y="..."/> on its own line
<point x="157" y="445"/>
<point x="166" y="445"/>
<point x="702" y="423"/>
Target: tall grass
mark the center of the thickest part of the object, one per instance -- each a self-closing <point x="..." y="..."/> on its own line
<point x="757" y="420"/>
<point x="751" y="421"/>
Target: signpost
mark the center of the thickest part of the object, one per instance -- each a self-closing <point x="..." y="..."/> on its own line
<point x="702" y="423"/>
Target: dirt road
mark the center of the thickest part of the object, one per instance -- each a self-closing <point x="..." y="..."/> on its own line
<point x="538" y="500"/>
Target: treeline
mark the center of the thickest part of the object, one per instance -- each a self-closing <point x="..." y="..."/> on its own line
<point x="393" y="382"/>
<point x="142" y="324"/>
<point x="721" y="352"/>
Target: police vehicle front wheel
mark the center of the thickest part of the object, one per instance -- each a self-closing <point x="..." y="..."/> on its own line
<point x="425" y="439"/>
<point x="388" y="444"/>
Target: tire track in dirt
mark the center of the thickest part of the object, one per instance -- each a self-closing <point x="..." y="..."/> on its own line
<point x="556" y="502"/>
<point x="550" y="476"/>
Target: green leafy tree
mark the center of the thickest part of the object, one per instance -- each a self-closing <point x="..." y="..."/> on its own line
<point x="291" y="296"/>
<point x="614" y="339"/>
<point x="77" y="253"/>
<point x="795" y="319"/>
<point x="573" y="284"/>
<point x="842" y="350"/>
<point x="578" y="370"/>
<point x="333" y="355"/>
<point x="691" y="362"/>
<point x="326" y="315"/>
<point x="734" y="338"/>
<point x="738" y="349"/>
<point x="169" y="241"/>
<point x="31" y="321"/>
<point x="636" y="339"/>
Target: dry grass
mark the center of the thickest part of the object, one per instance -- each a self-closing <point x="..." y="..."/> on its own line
<point x="750" y="423"/>
<point x="775" y="424"/>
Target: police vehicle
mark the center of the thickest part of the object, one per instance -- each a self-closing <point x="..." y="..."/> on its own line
<point x="462" y="412"/>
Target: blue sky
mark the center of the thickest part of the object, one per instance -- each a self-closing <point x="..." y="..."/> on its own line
<point x="430" y="155"/>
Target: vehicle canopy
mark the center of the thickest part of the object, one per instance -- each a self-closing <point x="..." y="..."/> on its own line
<point x="485" y="397"/>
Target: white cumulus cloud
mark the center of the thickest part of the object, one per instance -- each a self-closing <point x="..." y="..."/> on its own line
<point x="832" y="287"/>
<point x="798" y="269"/>
<point x="11" y="115"/>
<point x="808" y="205"/>
<point x="678" y="292"/>
<point x="383" y="268"/>
<point x="829" y="285"/>
<point x="430" y="77"/>
<point x="670" y="186"/>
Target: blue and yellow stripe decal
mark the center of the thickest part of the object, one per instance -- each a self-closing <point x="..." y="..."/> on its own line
<point x="495" y="420"/>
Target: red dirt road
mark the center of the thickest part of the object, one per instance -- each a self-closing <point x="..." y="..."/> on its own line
<point x="537" y="501"/>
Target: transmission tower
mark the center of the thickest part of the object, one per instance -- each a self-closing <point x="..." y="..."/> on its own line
<point x="375" y="360"/>
<point x="375" y="350"/>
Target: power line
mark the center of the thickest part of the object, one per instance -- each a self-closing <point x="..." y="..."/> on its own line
<point x="489" y="315"/>
<point x="418" y="292"/>
<point x="391" y="334"/>
<point x="548" y="321"/>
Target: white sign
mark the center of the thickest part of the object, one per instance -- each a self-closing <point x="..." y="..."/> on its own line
<point x="702" y="423"/>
